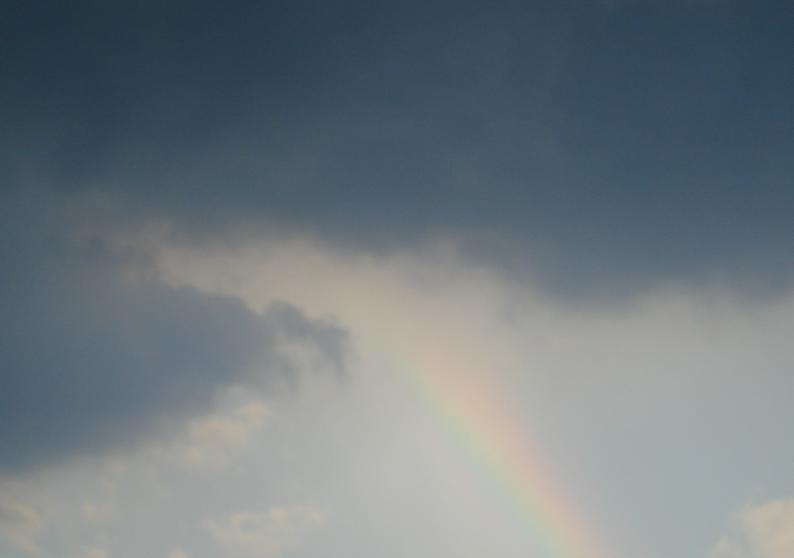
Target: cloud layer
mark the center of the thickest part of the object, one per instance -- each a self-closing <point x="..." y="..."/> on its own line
<point x="601" y="147"/>
<point x="96" y="351"/>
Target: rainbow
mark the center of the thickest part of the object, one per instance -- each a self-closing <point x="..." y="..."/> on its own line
<point x="480" y="420"/>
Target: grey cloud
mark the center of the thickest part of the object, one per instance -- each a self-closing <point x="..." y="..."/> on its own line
<point x="91" y="359"/>
<point x="603" y="148"/>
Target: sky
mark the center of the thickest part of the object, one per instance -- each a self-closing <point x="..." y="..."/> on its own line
<point x="430" y="279"/>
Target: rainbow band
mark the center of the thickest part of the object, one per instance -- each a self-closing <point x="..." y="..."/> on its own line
<point x="490" y="435"/>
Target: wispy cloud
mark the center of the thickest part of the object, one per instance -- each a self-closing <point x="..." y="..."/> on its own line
<point x="269" y="534"/>
<point x="20" y="524"/>
<point x="763" y="531"/>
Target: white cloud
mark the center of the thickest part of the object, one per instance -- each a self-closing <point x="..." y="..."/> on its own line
<point x="95" y="552"/>
<point x="207" y="443"/>
<point x="19" y="525"/>
<point x="213" y="440"/>
<point x="765" y="531"/>
<point x="178" y="553"/>
<point x="266" y="534"/>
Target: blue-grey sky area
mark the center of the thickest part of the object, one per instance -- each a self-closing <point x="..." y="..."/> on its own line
<point x="293" y="279"/>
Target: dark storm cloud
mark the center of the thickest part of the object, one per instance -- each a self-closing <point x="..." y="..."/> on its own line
<point x="604" y="146"/>
<point x="92" y="359"/>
